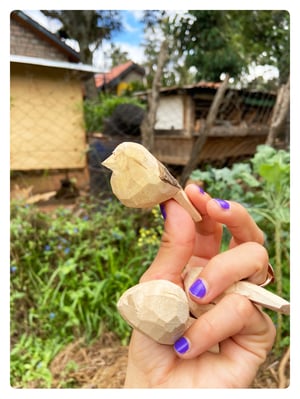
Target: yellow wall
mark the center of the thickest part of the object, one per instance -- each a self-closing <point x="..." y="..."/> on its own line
<point x="47" y="130"/>
<point x="122" y="87"/>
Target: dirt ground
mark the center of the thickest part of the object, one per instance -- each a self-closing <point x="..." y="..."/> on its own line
<point x="103" y="365"/>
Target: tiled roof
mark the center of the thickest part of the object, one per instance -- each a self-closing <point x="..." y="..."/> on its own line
<point x="117" y="71"/>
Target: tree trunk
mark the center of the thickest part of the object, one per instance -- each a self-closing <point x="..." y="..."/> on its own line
<point x="90" y="90"/>
<point x="280" y="112"/>
<point x="199" y="143"/>
<point x="86" y="57"/>
<point x="148" y="123"/>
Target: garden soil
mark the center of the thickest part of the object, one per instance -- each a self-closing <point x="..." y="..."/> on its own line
<point x="103" y="365"/>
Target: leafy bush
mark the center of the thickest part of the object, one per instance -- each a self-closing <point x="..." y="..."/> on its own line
<point x="68" y="270"/>
<point x="95" y="113"/>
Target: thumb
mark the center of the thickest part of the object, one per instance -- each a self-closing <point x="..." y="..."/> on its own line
<point x="177" y="245"/>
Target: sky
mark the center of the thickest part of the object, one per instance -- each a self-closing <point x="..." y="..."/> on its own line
<point x="129" y="39"/>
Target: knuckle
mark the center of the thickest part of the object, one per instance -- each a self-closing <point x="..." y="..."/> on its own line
<point x="242" y="306"/>
<point x="260" y="258"/>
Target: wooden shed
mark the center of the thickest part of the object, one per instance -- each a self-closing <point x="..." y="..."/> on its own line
<point x="242" y="123"/>
<point x="47" y="130"/>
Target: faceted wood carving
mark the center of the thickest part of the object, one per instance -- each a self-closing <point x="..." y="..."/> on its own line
<point x="139" y="180"/>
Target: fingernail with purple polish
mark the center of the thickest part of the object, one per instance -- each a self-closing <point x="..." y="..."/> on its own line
<point x="163" y="211"/>
<point x="201" y="189"/>
<point x="223" y="204"/>
<point x="182" y="345"/>
<point x="198" y="289"/>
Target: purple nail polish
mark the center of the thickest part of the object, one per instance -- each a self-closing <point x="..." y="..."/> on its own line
<point x="198" y="289"/>
<point x="201" y="190"/>
<point x="182" y="345"/>
<point x="163" y="211"/>
<point x="223" y="204"/>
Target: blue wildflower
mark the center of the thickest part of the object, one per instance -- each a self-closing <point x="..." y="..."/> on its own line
<point x="85" y="217"/>
<point x="67" y="250"/>
<point x="13" y="269"/>
<point x="75" y="230"/>
<point x="51" y="315"/>
<point x="117" y="235"/>
<point x="47" y="248"/>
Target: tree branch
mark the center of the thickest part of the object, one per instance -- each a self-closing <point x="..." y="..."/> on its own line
<point x="210" y="120"/>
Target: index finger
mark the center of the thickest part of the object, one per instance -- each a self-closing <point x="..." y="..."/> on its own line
<point x="177" y="245"/>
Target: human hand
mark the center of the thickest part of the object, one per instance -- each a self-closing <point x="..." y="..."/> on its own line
<point x="244" y="332"/>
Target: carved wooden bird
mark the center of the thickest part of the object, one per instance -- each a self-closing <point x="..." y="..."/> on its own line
<point x="139" y="180"/>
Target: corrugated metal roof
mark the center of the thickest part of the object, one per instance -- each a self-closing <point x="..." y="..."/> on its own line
<point x="53" y="63"/>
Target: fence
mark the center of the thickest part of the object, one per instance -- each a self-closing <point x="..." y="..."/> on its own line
<point x="48" y="137"/>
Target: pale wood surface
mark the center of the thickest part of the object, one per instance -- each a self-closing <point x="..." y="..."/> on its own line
<point x="157" y="308"/>
<point x="139" y="180"/>
<point x="161" y="310"/>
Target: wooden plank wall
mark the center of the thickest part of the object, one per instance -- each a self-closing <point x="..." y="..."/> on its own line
<point x="176" y="150"/>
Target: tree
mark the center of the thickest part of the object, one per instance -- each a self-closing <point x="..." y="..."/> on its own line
<point x="265" y="36"/>
<point x="117" y="56"/>
<point x="160" y="26"/>
<point x="218" y="42"/>
<point x="148" y="123"/>
<point x="88" y="28"/>
<point x="206" y="42"/>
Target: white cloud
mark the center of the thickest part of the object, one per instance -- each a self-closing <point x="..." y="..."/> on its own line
<point x="135" y="53"/>
<point x="103" y="62"/>
<point x="128" y="27"/>
<point x="49" y="23"/>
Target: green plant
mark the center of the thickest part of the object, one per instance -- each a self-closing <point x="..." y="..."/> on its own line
<point x="30" y="359"/>
<point x="274" y="169"/>
<point x="95" y="113"/>
<point x="68" y="269"/>
<point x="263" y="186"/>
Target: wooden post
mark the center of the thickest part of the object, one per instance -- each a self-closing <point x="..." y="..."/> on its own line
<point x="148" y="123"/>
<point x="280" y="112"/>
<point x="199" y="144"/>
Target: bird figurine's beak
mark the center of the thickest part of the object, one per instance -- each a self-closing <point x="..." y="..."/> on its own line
<point x="109" y="162"/>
